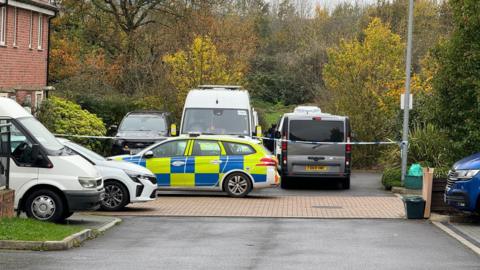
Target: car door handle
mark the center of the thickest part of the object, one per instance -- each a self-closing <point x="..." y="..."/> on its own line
<point x="178" y="163"/>
<point x="216" y="161"/>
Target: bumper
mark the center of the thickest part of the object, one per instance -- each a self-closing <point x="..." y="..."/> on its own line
<point x="272" y="179"/>
<point x="84" y="200"/>
<point x="457" y="199"/>
<point x="318" y="175"/>
<point x="145" y="192"/>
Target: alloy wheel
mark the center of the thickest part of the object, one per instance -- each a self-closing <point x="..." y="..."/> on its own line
<point x="113" y="196"/>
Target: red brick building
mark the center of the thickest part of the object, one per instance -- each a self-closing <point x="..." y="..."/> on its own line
<point x="24" y="40"/>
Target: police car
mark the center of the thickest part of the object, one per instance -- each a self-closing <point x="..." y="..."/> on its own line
<point x="233" y="165"/>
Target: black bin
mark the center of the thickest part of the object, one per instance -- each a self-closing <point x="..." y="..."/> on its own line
<point x="414" y="207"/>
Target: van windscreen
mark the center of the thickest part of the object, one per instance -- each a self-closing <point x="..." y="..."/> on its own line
<point x="216" y="121"/>
<point x="317" y="130"/>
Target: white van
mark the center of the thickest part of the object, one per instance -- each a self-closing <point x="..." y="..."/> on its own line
<point x="219" y="110"/>
<point x="50" y="182"/>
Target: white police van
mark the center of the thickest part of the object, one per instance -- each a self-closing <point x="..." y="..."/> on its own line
<point x="219" y="110"/>
<point x="50" y="182"/>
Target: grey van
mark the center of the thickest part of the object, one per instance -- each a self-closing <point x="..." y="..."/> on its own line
<point x="300" y="156"/>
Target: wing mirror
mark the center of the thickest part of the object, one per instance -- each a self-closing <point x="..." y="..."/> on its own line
<point x="148" y="154"/>
<point x="258" y="131"/>
<point x="173" y="130"/>
<point x="277" y="134"/>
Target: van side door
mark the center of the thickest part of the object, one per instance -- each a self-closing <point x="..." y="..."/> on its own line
<point x="23" y="167"/>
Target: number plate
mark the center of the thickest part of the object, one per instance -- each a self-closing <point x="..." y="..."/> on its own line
<point x="313" y="168"/>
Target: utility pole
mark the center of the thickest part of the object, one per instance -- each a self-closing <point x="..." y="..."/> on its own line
<point x="406" y="111"/>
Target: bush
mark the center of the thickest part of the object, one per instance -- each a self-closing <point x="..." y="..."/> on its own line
<point x="392" y="177"/>
<point x="61" y="116"/>
<point x="428" y="146"/>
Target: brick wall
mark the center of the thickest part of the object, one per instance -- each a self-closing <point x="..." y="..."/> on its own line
<point x="21" y="66"/>
<point x="6" y="203"/>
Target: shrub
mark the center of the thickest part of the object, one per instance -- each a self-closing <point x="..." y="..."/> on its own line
<point x="61" y="116"/>
<point x="428" y="146"/>
<point x="392" y="177"/>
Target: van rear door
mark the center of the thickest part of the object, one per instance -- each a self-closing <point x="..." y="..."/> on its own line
<point x="306" y="158"/>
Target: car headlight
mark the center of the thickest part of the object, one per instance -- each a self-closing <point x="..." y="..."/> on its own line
<point x="136" y="177"/>
<point x="89" y="182"/>
<point x="466" y="174"/>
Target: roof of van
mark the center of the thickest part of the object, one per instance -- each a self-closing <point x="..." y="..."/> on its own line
<point x="10" y="108"/>
<point x="312" y="115"/>
<point x="218" y="98"/>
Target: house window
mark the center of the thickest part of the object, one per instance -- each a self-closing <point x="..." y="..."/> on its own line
<point x="30" y="33"/>
<point x="15" y="26"/>
<point x="3" y="25"/>
<point x="40" y="32"/>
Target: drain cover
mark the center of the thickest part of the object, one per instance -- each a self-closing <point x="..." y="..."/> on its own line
<point x="327" y="207"/>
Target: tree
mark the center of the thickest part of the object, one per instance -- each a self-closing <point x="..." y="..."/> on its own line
<point x="200" y="64"/>
<point x="364" y="79"/>
<point x="457" y="80"/>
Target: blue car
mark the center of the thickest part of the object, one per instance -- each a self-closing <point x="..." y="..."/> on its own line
<point x="463" y="185"/>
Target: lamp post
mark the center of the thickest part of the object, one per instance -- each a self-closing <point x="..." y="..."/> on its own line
<point x="406" y="111"/>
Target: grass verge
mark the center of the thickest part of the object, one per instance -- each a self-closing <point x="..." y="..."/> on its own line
<point x="33" y="230"/>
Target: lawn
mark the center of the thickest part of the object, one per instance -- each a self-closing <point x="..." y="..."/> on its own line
<point x="34" y="230"/>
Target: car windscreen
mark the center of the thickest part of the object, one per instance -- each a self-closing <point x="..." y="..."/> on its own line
<point x="317" y="130"/>
<point x="89" y="154"/>
<point x="143" y="123"/>
<point x="41" y="134"/>
<point x="216" y="121"/>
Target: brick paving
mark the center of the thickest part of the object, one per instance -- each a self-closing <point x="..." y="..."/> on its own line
<point x="270" y="206"/>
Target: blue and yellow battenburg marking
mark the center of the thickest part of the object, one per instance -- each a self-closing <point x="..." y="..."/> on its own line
<point x="199" y="171"/>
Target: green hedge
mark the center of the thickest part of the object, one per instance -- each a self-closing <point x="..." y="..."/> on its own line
<point x="65" y="117"/>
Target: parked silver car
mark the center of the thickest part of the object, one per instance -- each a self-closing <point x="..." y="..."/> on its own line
<point x="301" y="153"/>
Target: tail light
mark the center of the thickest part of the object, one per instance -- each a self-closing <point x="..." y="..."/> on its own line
<point x="268" y="162"/>
<point x="348" y="147"/>
<point x="284" y="145"/>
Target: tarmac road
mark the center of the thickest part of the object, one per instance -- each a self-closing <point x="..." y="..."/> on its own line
<point x="246" y="243"/>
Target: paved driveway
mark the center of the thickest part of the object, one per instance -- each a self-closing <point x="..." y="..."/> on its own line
<point x="242" y="243"/>
<point x="311" y="198"/>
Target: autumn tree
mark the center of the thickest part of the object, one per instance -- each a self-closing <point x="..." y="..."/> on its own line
<point x="364" y="79"/>
<point x="200" y="64"/>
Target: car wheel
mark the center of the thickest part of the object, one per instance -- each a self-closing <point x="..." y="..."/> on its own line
<point x="284" y="182"/>
<point x="45" y="205"/>
<point x="67" y="214"/>
<point x="116" y="196"/>
<point x="346" y="183"/>
<point x="237" y="185"/>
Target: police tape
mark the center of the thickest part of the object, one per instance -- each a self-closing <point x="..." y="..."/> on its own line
<point x="332" y="143"/>
<point x="85" y="136"/>
<point x="400" y="143"/>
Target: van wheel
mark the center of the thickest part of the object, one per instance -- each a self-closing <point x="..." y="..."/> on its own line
<point x="284" y="182"/>
<point x="67" y="214"/>
<point x="116" y="196"/>
<point x="237" y="185"/>
<point x="346" y="183"/>
<point x="45" y="205"/>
